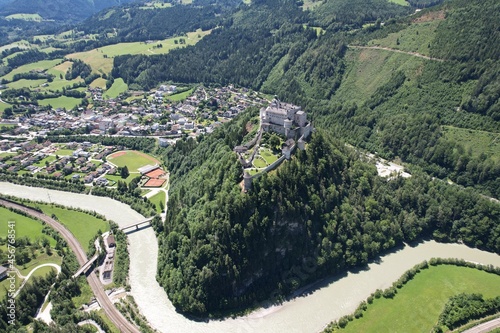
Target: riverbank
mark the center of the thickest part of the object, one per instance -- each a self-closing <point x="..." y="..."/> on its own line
<point x="331" y="299"/>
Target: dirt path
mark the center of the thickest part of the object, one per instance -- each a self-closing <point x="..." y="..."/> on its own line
<point x="415" y="54"/>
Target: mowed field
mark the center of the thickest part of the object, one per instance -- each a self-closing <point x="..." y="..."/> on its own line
<point x="39" y="65"/>
<point x="101" y="59"/>
<point x="417" y="306"/>
<point x="118" y="87"/>
<point x="84" y="226"/>
<point x="132" y="159"/>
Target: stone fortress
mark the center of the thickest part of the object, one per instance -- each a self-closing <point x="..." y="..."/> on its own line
<point x="285" y="119"/>
<point x="282" y="118"/>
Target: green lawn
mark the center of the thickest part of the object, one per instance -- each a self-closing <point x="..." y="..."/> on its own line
<point x="24" y="226"/>
<point x="4" y="105"/>
<point x="116" y="178"/>
<point x="61" y="102"/>
<point x="49" y="159"/>
<point x="156" y="199"/>
<point x="82" y="225"/>
<point x="477" y="142"/>
<point x="41" y="258"/>
<point x="267" y="155"/>
<point x="86" y="293"/>
<point x="5" y="284"/>
<point x="118" y="87"/>
<point x="132" y="159"/>
<point x="259" y="162"/>
<point x="180" y="96"/>
<point x="64" y="152"/>
<point x="417" y="306"/>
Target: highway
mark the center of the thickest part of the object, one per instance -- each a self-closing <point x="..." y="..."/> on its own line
<point x="113" y="314"/>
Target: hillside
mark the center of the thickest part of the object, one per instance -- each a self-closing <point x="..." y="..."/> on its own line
<point x="393" y="100"/>
<point x="60" y="10"/>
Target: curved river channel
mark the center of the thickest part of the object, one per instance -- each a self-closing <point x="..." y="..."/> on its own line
<point x="311" y="312"/>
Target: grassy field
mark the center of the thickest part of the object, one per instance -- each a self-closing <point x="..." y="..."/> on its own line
<point x="118" y="87"/>
<point x="259" y="162"/>
<point x="416" y="38"/>
<point x="180" y="96"/>
<point x="156" y="199"/>
<point x="59" y="84"/>
<point x="64" y="152"/>
<point x="99" y="83"/>
<point x="478" y="142"/>
<point x="267" y="155"/>
<point x="49" y="159"/>
<point x="116" y="178"/>
<point x="101" y="59"/>
<point x="25" y="17"/>
<point x="39" y="65"/>
<point x="132" y="159"/>
<point x="82" y="225"/>
<point x="416" y="307"/>
<point x="23" y="83"/>
<point x="369" y="69"/>
<point x="24" y="226"/>
<point x="61" y="102"/>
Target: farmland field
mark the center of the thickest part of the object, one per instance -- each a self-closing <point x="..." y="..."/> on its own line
<point x="423" y="298"/>
<point x="101" y="59"/>
<point x="23" y="83"/>
<point x="132" y="159"/>
<point x="39" y="65"/>
<point x="180" y="96"/>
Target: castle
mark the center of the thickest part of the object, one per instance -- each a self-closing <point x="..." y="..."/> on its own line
<point x="285" y="119"/>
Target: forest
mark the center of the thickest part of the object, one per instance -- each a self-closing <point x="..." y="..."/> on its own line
<point x="318" y="214"/>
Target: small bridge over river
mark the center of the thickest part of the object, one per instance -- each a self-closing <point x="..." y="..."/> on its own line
<point x="142" y="224"/>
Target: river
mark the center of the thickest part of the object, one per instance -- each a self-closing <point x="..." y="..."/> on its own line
<point x="331" y="299"/>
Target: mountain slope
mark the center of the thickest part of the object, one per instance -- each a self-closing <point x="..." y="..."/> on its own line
<point x="60" y="10"/>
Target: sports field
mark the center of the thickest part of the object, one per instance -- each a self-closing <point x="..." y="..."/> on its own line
<point x="132" y="159"/>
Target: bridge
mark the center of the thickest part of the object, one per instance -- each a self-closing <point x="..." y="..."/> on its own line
<point x="85" y="266"/>
<point x="146" y="222"/>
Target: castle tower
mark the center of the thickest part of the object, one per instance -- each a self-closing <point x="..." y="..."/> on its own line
<point x="247" y="181"/>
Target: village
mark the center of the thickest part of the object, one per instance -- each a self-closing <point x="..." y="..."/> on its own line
<point x="140" y="113"/>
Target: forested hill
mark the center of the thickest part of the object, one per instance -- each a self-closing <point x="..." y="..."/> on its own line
<point x="318" y="214"/>
<point x="397" y="104"/>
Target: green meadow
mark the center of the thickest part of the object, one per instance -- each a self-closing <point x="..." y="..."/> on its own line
<point x="82" y="225"/>
<point x="418" y="304"/>
<point x="118" y="87"/>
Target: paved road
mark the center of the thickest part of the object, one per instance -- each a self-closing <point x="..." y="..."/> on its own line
<point x="27" y="277"/>
<point x="113" y="314"/>
<point x="484" y="327"/>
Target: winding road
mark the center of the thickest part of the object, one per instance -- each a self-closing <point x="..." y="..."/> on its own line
<point x="113" y="314"/>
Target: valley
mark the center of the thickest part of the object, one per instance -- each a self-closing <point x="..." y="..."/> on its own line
<point x="279" y="166"/>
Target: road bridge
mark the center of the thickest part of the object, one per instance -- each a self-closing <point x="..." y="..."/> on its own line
<point x="144" y="223"/>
